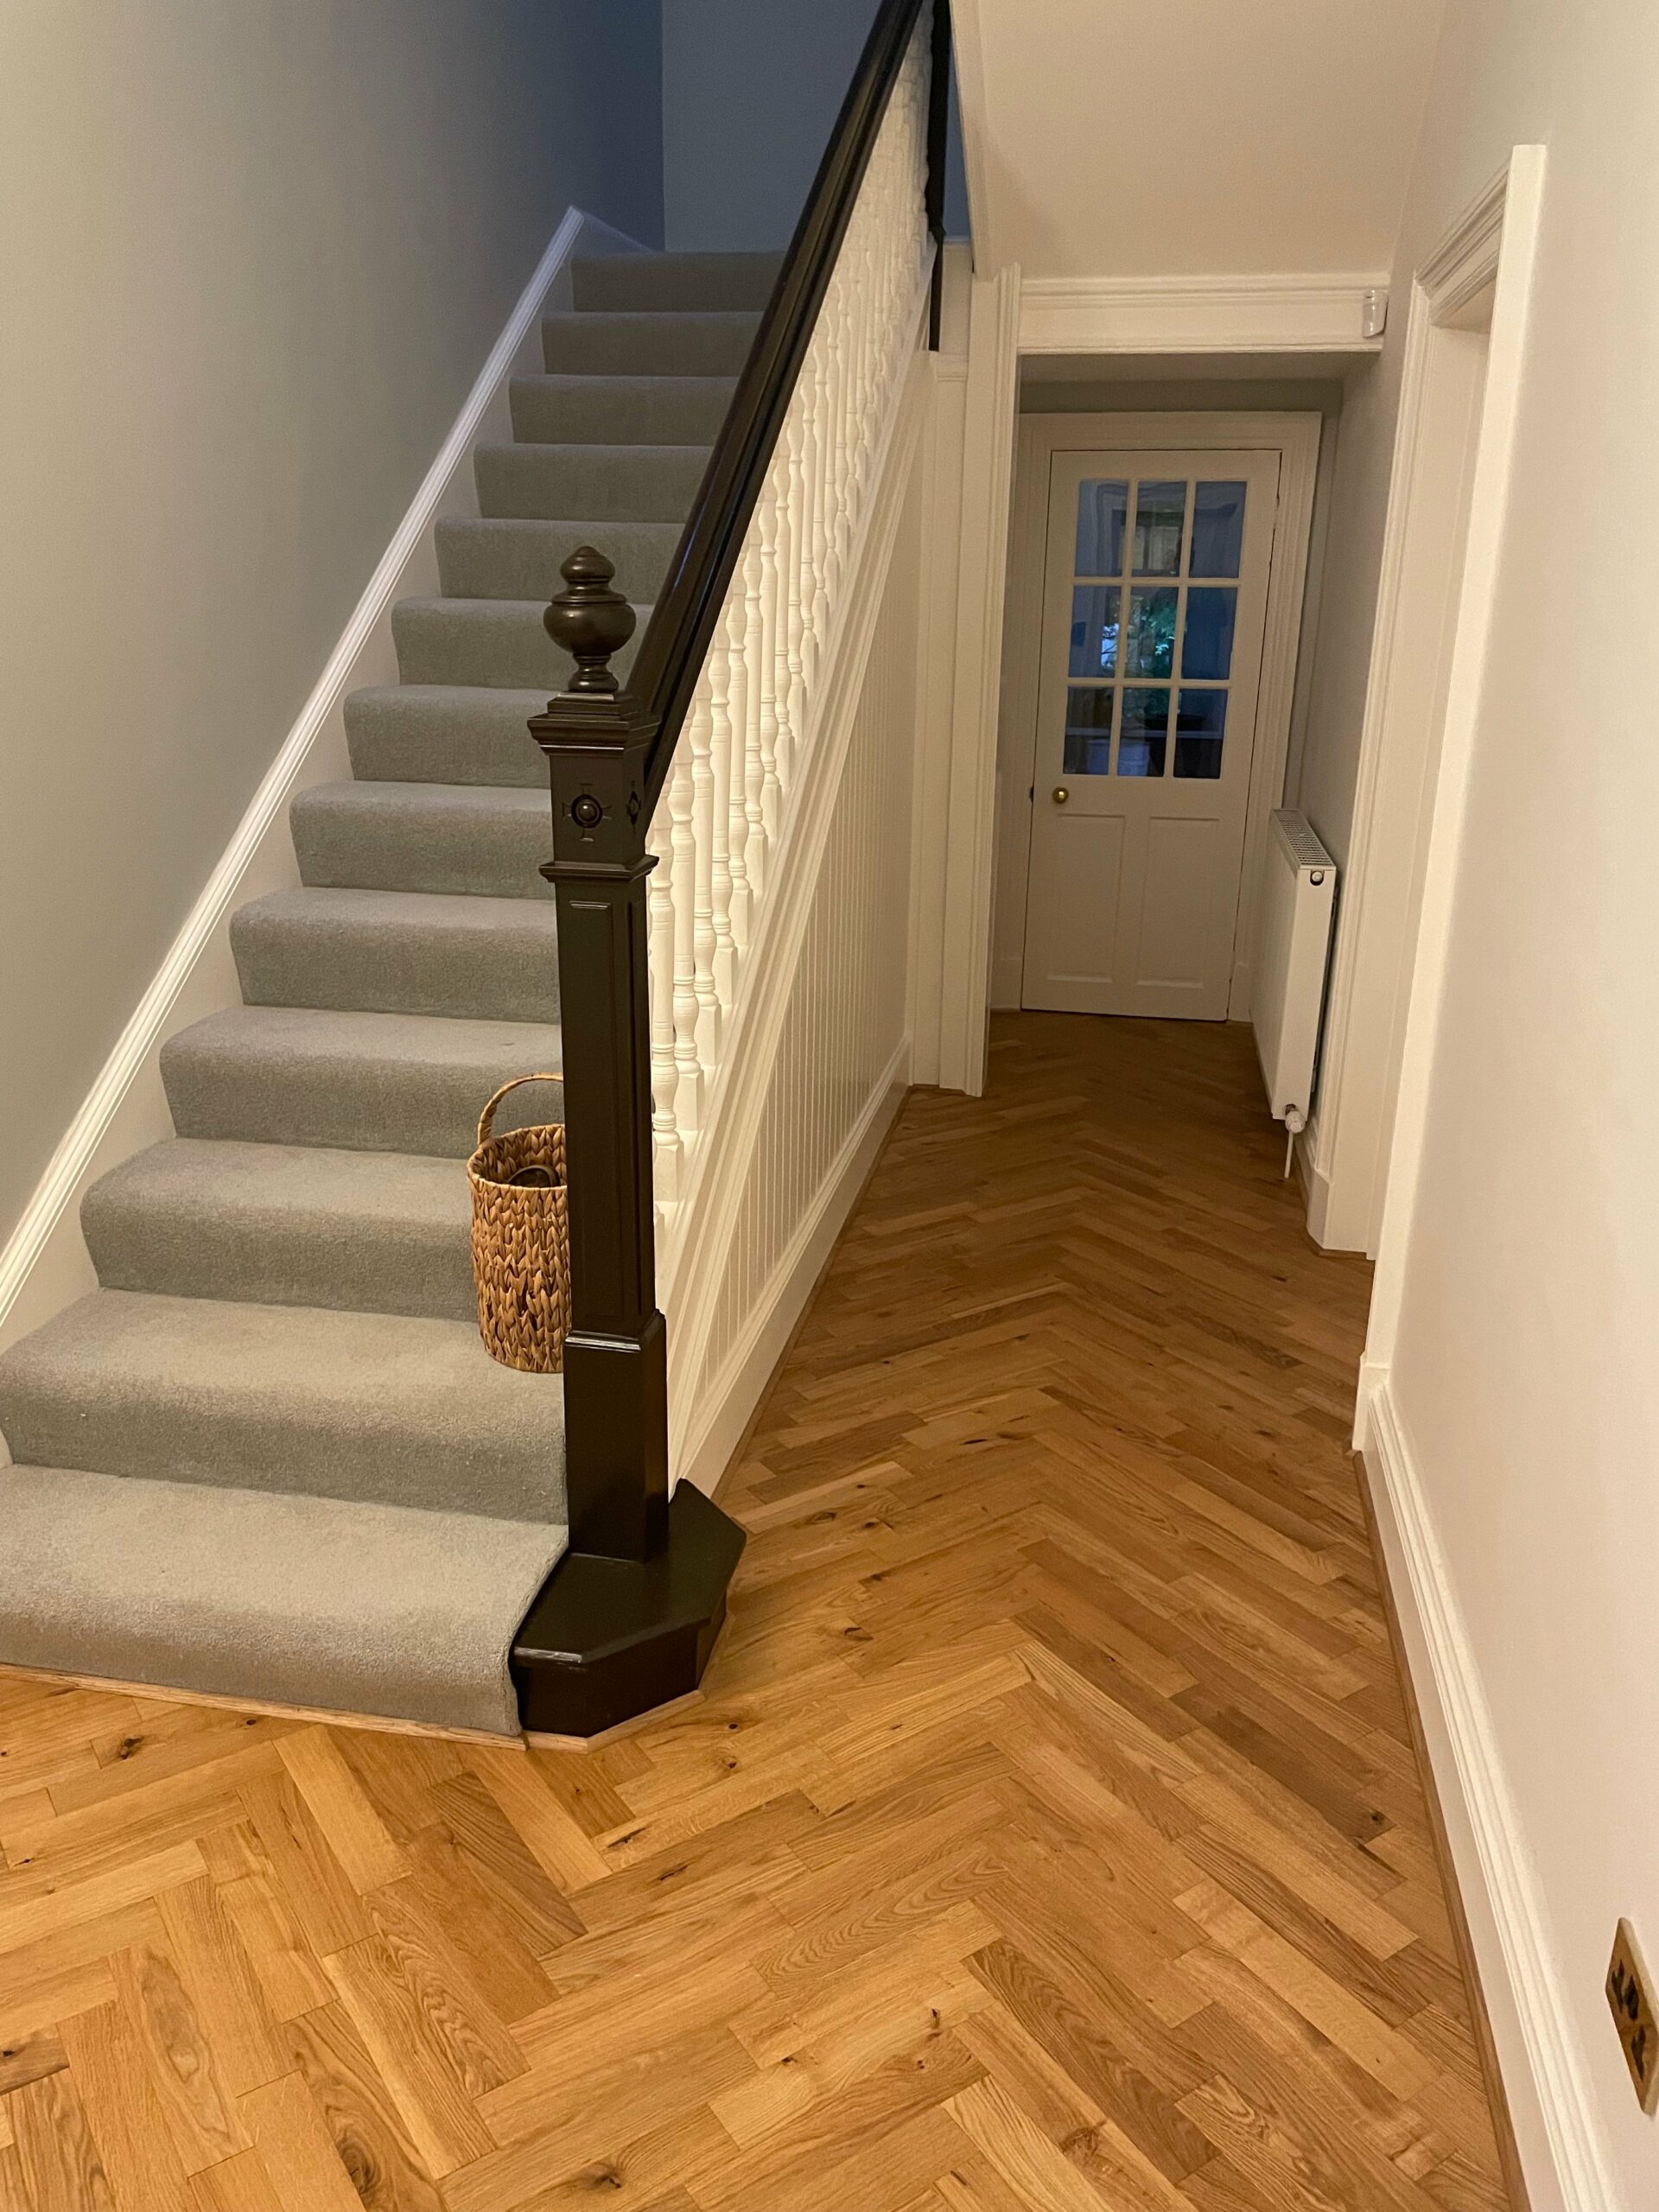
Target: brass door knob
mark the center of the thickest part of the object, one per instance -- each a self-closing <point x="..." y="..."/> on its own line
<point x="1061" y="794"/>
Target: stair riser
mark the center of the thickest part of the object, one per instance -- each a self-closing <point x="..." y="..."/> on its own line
<point x="485" y="642"/>
<point x="359" y="1105"/>
<point x="298" y="1601"/>
<point x="176" y="1428"/>
<point x="343" y="839"/>
<point x="616" y="484"/>
<point x="481" y="973"/>
<point x="675" y="283"/>
<point x="620" y="410"/>
<point x="411" y="736"/>
<point x="505" y="559"/>
<point x="420" y="1268"/>
<point x="647" y="345"/>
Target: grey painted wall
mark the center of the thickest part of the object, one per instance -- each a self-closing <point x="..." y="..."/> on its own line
<point x="751" y="89"/>
<point x="256" y="257"/>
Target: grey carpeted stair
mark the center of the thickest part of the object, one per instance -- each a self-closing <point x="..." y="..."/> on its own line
<point x="624" y="483"/>
<point x="489" y="641"/>
<point x="411" y="836"/>
<point x="445" y="734"/>
<point x="274" y="1224"/>
<point x="269" y="1597"/>
<point x="384" y="1408"/>
<point x="270" y="1457"/>
<point x="646" y="344"/>
<point x="651" y="410"/>
<point x="400" y="952"/>
<point x="363" y="1081"/>
<point x="510" y="556"/>
<point x="676" y="280"/>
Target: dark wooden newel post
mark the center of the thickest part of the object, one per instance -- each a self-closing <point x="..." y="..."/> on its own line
<point x="597" y="741"/>
<point x="628" y="1617"/>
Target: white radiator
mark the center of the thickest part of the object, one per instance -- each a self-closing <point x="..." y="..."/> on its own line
<point x="1297" y="894"/>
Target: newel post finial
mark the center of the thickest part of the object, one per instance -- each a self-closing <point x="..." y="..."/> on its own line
<point x="589" y="620"/>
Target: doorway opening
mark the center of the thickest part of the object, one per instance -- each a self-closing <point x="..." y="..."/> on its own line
<point x="1158" y="571"/>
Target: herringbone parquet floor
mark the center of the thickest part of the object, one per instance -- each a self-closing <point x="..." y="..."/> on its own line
<point x="1048" y="1835"/>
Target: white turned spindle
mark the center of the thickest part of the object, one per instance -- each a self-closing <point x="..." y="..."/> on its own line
<point x="682" y="861"/>
<point x="725" y="668"/>
<point x="665" y="1080"/>
<point x="747" y="746"/>
<point x="760" y="731"/>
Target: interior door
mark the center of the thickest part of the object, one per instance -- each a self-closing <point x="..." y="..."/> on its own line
<point x="1154" y="600"/>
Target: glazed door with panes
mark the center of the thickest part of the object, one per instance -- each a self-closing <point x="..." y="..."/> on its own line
<point x="1155" y="597"/>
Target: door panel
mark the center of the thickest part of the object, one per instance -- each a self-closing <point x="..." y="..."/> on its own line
<point x="1154" y="601"/>
<point x="1177" y="899"/>
<point x="1088" y="897"/>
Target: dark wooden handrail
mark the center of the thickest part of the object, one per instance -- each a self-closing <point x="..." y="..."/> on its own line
<point x="609" y="752"/>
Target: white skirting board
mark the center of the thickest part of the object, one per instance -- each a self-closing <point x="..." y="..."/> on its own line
<point x="44" y="1265"/>
<point x="1557" y="2128"/>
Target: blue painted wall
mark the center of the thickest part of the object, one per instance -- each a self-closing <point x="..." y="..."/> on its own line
<point x="751" y="89"/>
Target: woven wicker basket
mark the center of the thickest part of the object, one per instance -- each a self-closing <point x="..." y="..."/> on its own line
<point x="521" y="1242"/>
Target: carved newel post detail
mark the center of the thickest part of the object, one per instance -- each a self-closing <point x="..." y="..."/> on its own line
<point x="591" y="622"/>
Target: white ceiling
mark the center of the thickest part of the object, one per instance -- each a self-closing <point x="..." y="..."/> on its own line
<point x="1190" y="137"/>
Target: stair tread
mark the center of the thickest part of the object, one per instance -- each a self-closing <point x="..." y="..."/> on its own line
<point x="339" y="1605"/>
<point x="387" y="1408"/>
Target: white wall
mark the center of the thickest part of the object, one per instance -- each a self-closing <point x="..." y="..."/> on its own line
<point x="255" y="256"/>
<point x="1523" y="1365"/>
<point x="751" y="90"/>
<point x="1190" y="137"/>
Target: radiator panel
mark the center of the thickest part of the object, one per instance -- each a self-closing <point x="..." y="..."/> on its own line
<point x="1298" y="904"/>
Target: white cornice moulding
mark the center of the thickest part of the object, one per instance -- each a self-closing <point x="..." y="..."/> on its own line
<point x="1202" y="314"/>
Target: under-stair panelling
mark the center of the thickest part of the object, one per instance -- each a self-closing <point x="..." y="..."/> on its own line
<point x="269" y="1456"/>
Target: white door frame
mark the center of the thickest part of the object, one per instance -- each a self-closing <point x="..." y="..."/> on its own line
<point x="1295" y="439"/>
<point x="1499" y="234"/>
<point x="1431" y="593"/>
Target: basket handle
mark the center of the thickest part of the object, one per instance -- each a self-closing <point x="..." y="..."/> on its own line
<point x="486" y="1119"/>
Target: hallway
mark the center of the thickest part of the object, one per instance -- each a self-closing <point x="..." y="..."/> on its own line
<point x="1048" y="1833"/>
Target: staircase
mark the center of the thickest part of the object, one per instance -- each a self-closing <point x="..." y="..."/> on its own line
<point x="269" y="1458"/>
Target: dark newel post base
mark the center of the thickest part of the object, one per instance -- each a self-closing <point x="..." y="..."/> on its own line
<point x="609" y="1639"/>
